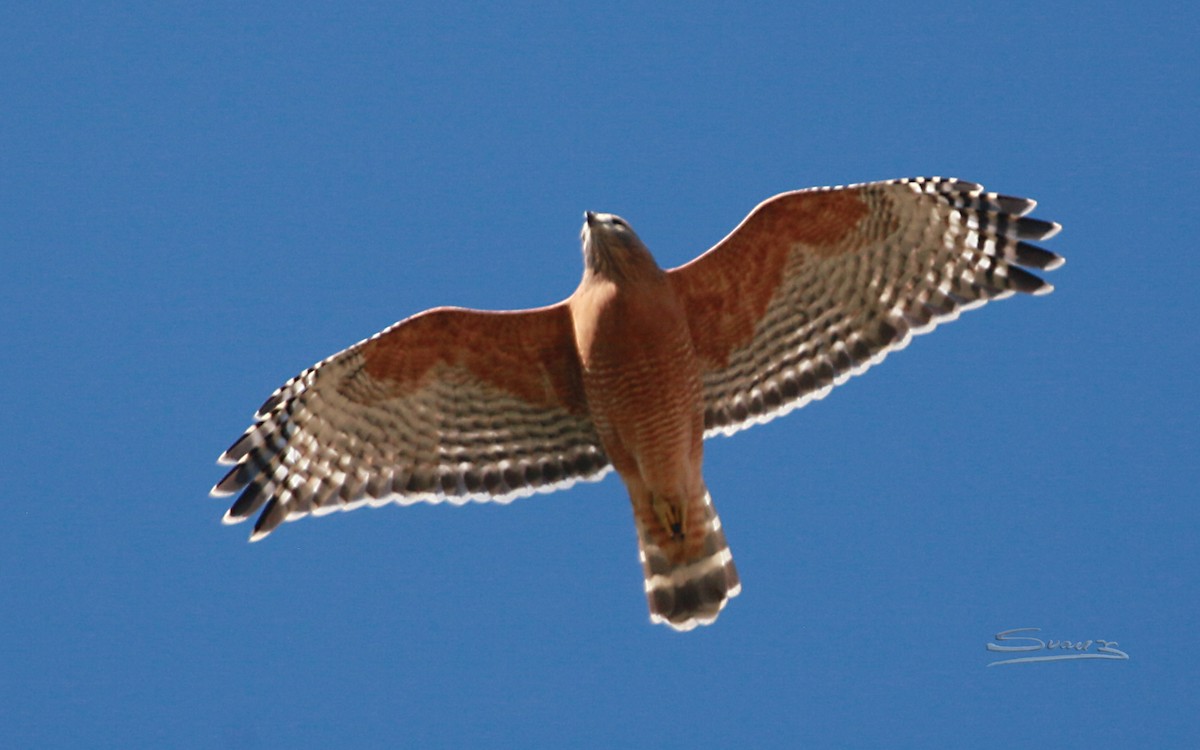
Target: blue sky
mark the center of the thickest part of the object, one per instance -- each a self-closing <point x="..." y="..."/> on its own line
<point x="198" y="201"/>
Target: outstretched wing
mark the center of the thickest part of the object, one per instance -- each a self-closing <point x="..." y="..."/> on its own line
<point x="449" y="404"/>
<point x="817" y="285"/>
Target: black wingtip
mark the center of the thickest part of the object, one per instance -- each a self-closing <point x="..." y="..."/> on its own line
<point x="251" y="499"/>
<point x="273" y="515"/>
<point x="1036" y="257"/>
<point x="270" y="404"/>
<point x="240" y="448"/>
<point x="237" y="478"/>
<point x="1014" y="205"/>
<point x="1036" y="229"/>
<point x="1020" y="280"/>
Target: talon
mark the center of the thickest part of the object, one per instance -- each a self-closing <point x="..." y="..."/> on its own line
<point x="670" y="516"/>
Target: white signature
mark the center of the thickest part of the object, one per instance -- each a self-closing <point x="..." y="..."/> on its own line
<point x="1066" y="649"/>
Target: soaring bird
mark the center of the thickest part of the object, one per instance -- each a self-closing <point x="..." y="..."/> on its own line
<point x="636" y="368"/>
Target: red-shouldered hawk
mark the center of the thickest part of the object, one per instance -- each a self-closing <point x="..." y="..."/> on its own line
<point x="636" y="368"/>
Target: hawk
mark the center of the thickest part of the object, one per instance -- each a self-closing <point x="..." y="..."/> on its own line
<point x="636" y="368"/>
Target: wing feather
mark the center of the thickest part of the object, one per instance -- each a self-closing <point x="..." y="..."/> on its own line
<point x="817" y="285"/>
<point x="450" y="404"/>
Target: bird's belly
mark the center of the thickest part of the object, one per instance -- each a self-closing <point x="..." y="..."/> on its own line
<point x="643" y="390"/>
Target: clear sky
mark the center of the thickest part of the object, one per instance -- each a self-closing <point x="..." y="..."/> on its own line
<point x="199" y="200"/>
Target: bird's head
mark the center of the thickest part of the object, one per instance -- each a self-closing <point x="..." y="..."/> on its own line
<point x="612" y="248"/>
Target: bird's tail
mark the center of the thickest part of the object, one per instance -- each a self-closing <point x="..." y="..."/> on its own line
<point x="689" y="570"/>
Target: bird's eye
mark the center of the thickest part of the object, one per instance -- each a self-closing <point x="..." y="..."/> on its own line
<point x="619" y="222"/>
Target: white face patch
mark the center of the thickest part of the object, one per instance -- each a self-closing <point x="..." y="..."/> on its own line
<point x="611" y="247"/>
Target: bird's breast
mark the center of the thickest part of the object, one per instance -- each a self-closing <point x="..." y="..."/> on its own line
<point x="641" y="378"/>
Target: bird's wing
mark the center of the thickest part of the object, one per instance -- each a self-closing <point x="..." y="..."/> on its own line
<point x="450" y="404"/>
<point x="817" y="285"/>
